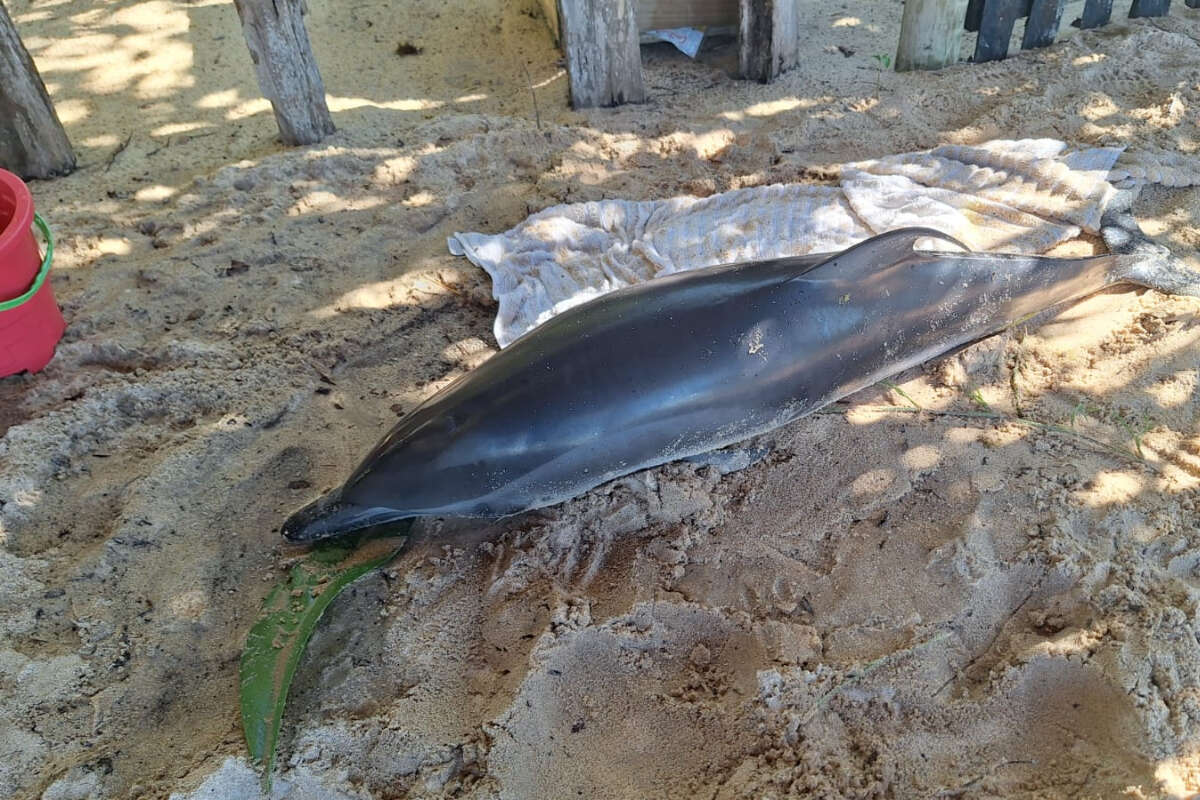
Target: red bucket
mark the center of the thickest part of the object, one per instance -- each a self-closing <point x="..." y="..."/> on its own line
<point x="30" y="322"/>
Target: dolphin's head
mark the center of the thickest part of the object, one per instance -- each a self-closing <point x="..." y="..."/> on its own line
<point x="330" y="515"/>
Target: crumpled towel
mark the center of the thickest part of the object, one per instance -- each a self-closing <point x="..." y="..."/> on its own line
<point x="1023" y="196"/>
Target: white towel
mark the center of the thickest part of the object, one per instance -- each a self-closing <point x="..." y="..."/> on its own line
<point x="1021" y="196"/>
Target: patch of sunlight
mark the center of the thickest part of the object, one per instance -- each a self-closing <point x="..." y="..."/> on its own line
<point x="407" y="104"/>
<point x="384" y="294"/>
<point x="921" y="457"/>
<point x="847" y="22"/>
<point x="148" y="51"/>
<point x="248" y="108"/>
<point x="1099" y="107"/>
<point x="30" y="17"/>
<point x="111" y="246"/>
<point x="394" y="170"/>
<point x="71" y="110"/>
<point x="471" y="98"/>
<point x="1090" y="58"/>
<point x="173" y="128"/>
<point x="1176" y="390"/>
<point x="1110" y="487"/>
<point x="873" y="481"/>
<point x="155" y="193"/>
<point x="321" y="202"/>
<point x="707" y="144"/>
<point x="562" y="73"/>
<point x="772" y="107"/>
<point x="468" y="353"/>
<point x="421" y="198"/>
<point x="103" y="140"/>
<point x="1178" y="777"/>
<point x="222" y="99"/>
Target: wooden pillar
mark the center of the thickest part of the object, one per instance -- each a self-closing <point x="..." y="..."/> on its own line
<point x="1041" y="29"/>
<point x="287" y="72"/>
<point x="1149" y="8"/>
<point x="33" y="143"/>
<point x="768" y="38"/>
<point x="996" y="27"/>
<point x="604" y="61"/>
<point x="1096" y="13"/>
<point x="930" y="34"/>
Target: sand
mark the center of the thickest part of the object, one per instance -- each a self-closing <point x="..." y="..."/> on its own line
<point x="890" y="604"/>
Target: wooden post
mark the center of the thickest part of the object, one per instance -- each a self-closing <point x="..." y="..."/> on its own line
<point x="768" y="38"/>
<point x="604" y="61"/>
<point x="996" y="27"/>
<point x="287" y="72"/>
<point x="1149" y="8"/>
<point x="930" y="34"/>
<point x="1041" y="29"/>
<point x="1096" y="13"/>
<point x="33" y="143"/>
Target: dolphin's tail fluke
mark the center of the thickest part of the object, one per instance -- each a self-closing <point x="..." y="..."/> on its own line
<point x="330" y="515"/>
<point x="1144" y="262"/>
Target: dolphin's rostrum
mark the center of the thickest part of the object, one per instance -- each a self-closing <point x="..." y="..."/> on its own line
<point x="699" y="360"/>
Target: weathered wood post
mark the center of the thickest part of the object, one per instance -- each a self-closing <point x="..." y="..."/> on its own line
<point x="1041" y="29"/>
<point x="1096" y="13"/>
<point x="1150" y="8"/>
<point x="768" y="38"/>
<point x="604" y="60"/>
<point x="287" y="72"/>
<point x="930" y="34"/>
<point x="33" y="143"/>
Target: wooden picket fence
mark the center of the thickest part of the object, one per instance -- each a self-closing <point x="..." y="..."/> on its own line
<point x="994" y="20"/>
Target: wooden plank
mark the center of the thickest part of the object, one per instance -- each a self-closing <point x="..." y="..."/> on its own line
<point x="658" y="14"/>
<point x="286" y="69"/>
<point x="550" y="14"/>
<point x="974" y="15"/>
<point x="1149" y="8"/>
<point x="1041" y="29"/>
<point x="996" y="27"/>
<point x="768" y="38"/>
<point x="1096" y="13"/>
<point x="33" y="143"/>
<point x="604" y="61"/>
<point x="930" y="34"/>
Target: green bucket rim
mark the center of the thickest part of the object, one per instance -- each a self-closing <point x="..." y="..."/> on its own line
<point x="20" y="300"/>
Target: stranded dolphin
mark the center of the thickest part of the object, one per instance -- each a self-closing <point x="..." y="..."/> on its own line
<point x="699" y="360"/>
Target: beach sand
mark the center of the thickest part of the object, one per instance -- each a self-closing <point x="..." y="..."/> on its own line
<point x="891" y="604"/>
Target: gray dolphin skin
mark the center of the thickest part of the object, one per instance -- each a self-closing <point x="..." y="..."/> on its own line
<point x="695" y="361"/>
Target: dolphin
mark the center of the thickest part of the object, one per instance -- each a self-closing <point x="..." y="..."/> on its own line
<point x="696" y="361"/>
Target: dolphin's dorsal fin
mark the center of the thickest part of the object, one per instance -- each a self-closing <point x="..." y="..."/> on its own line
<point x="878" y="252"/>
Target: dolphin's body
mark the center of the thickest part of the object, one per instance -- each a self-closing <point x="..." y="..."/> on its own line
<point x="699" y="360"/>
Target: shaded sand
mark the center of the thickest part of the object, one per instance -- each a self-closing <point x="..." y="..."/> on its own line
<point x="888" y="605"/>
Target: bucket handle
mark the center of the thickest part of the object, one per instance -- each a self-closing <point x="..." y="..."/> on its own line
<point x="9" y="305"/>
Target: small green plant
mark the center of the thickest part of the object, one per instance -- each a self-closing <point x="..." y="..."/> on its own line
<point x="290" y="614"/>
<point x="976" y="397"/>
<point x="893" y="387"/>
<point x="1135" y="429"/>
<point x="883" y="62"/>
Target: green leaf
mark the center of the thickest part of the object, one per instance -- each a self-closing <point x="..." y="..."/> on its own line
<point x="289" y="616"/>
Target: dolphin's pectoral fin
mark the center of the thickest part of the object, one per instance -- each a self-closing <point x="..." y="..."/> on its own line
<point x="732" y="459"/>
<point x="884" y="250"/>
